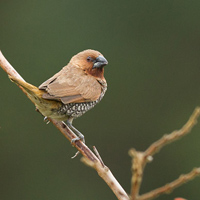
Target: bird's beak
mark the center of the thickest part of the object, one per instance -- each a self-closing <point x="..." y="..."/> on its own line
<point x="100" y="61"/>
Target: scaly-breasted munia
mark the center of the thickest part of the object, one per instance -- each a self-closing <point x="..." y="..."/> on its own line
<point x="71" y="92"/>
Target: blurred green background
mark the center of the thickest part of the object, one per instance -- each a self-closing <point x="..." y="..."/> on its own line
<point x="153" y="77"/>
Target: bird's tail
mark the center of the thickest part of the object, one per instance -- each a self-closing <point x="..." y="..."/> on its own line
<point x="35" y="95"/>
<point x="32" y="92"/>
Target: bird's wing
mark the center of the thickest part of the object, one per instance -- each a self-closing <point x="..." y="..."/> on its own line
<point x="71" y="85"/>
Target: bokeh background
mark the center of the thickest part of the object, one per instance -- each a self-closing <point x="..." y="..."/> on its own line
<point x="153" y="77"/>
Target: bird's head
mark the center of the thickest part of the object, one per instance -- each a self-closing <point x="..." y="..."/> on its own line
<point x="90" y="61"/>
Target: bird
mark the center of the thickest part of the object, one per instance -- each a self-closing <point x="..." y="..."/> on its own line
<point x="71" y="92"/>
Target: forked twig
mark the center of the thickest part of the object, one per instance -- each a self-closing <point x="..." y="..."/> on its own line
<point x="140" y="159"/>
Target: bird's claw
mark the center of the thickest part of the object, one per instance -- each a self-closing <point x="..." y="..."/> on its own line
<point x="46" y="120"/>
<point x="76" y="154"/>
<point x="73" y="141"/>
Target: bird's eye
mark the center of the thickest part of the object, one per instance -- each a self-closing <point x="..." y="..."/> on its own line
<point x="89" y="59"/>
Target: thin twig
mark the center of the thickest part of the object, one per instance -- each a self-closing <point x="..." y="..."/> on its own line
<point x="175" y="135"/>
<point x="107" y="176"/>
<point x="138" y="164"/>
<point x="98" y="156"/>
<point x="7" y="67"/>
<point x="103" y="172"/>
<point x="171" y="186"/>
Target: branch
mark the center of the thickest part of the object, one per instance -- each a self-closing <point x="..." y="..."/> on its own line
<point x="7" y="67"/>
<point x="168" y="188"/>
<point x="175" y="135"/>
<point x="140" y="159"/>
<point x="89" y="156"/>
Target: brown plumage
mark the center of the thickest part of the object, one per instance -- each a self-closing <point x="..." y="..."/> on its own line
<point x="75" y="89"/>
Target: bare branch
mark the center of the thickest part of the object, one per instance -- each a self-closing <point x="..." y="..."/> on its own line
<point x="138" y="163"/>
<point x="140" y="159"/>
<point x="7" y="67"/>
<point x="171" y="186"/>
<point x="175" y="135"/>
<point x="107" y="176"/>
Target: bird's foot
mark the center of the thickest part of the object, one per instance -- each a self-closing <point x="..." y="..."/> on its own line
<point x="81" y="137"/>
<point x="46" y="120"/>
